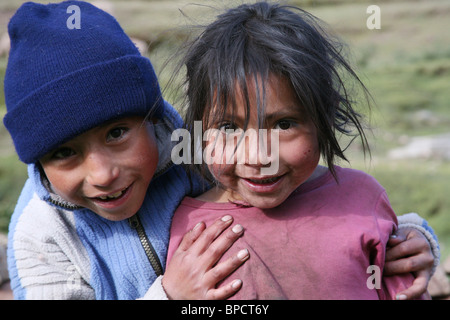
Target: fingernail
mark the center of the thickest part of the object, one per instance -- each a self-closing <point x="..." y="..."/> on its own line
<point x="237" y="228"/>
<point x="226" y="218"/>
<point x="401" y="297"/>
<point x="236" y="284"/>
<point x="243" y="254"/>
<point x="197" y="226"/>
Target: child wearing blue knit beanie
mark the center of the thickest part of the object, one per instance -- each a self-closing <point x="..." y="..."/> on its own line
<point x="85" y="111"/>
<point x="54" y="72"/>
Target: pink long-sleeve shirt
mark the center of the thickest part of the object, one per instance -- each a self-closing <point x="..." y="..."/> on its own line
<point x="326" y="241"/>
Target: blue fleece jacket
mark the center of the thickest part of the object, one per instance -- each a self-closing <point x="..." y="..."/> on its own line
<point x="57" y="252"/>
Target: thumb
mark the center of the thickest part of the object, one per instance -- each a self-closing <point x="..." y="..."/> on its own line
<point x="395" y="239"/>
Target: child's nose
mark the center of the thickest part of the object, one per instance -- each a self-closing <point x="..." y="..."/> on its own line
<point x="101" y="169"/>
<point x="252" y="155"/>
<point x="257" y="149"/>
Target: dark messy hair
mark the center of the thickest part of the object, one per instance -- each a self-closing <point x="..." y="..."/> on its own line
<point x="260" y="39"/>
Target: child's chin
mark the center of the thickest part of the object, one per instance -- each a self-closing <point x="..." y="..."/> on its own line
<point x="265" y="203"/>
<point x="116" y="217"/>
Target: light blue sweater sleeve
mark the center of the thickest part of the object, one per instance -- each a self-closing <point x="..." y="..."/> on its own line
<point x="24" y="199"/>
<point x="413" y="220"/>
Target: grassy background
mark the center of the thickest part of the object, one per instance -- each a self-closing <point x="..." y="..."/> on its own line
<point x="405" y="65"/>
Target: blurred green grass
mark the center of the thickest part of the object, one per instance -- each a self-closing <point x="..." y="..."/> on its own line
<point x="405" y="65"/>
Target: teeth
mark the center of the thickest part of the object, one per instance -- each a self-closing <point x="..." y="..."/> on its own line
<point x="264" y="180"/>
<point x="115" y="195"/>
<point x="112" y="196"/>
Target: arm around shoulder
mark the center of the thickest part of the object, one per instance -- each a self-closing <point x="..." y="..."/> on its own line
<point x="413" y="220"/>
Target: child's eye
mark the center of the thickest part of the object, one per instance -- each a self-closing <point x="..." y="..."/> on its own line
<point x="63" y="153"/>
<point x="284" y="124"/>
<point x="116" y="133"/>
<point x="227" y="126"/>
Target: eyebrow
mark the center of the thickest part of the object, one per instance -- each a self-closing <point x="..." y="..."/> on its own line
<point x="288" y="112"/>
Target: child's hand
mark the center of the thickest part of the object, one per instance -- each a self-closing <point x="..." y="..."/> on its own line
<point x="409" y="251"/>
<point x="193" y="274"/>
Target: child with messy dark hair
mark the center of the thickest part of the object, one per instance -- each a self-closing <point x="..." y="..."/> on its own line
<point x="268" y="81"/>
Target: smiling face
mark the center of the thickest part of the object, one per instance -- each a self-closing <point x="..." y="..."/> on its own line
<point x="298" y="149"/>
<point x="106" y="169"/>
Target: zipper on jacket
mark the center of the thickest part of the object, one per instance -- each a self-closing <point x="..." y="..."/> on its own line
<point x="135" y="223"/>
<point x="67" y="206"/>
<point x="163" y="170"/>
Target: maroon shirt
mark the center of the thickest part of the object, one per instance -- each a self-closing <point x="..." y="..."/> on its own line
<point x="326" y="241"/>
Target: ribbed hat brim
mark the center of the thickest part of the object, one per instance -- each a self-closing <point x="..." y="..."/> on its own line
<point x="126" y="85"/>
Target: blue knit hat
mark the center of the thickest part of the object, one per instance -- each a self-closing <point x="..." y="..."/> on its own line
<point x="62" y="81"/>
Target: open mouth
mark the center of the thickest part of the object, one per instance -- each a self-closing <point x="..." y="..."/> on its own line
<point x="113" y="196"/>
<point x="263" y="184"/>
<point x="265" y="181"/>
